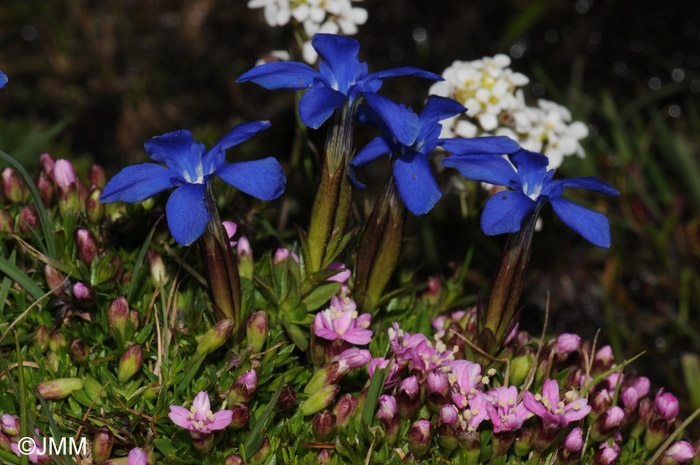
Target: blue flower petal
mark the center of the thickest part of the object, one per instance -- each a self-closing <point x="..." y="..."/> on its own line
<point x="318" y="104"/>
<point x="485" y="168"/>
<point x="263" y="179"/>
<point x="215" y="157"/>
<point x="416" y="183"/>
<point x="187" y="213"/>
<point x="375" y="149"/>
<point x="591" y="225"/>
<point x="504" y="212"/>
<point x="340" y="53"/>
<point x="3" y="79"/>
<point x="406" y="71"/>
<point x="179" y="151"/>
<point x="281" y="75"/>
<point x="402" y="122"/>
<point x="440" y="108"/>
<point x="137" y="183"/>
<point x="498" y="145"/>
<point x="591" y="183"/>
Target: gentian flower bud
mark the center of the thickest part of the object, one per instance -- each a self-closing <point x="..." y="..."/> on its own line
<point x="607" y="423"/>
<point x="130" y="363"/>
<point x="102" y="445"/>
<point x="262" y="454"/>
<point x="449" y="414"/>
<point x="215" y="337"/>
<point x="567" y="343"/>
<point x="323" y="457"/>
<point x="159" y="273"/>
<point x="319" y="399"/>
<point x="245" y="258"/>
<point x="79" y="351"/>
<point x="7" y="224"/>
<point x="244" y="387"/>
<point x="5" y="443"/>
<point x="46" y="164"/>
<point x="437" y="383"/>
<point x="601" y="402"/>
<point x="13" y="187"/>
<point x="55" y="280"/>
<point x="523" y="442"/>
<point x="240" y="416"/>
<point x="59" y="388"/>
<point x="94" y="209"/>
<point x="323" y="425"/>
<point x="287" y="398"/>
<point x="96" y="175"/>
<point x="447" y="436"/>
<point x="137" y="456"/>
<point x="642" y="385"/>
<point x="28" y="219"/>
<point x="83" y="295"/>
<point x="666" y="405"/>
<point x="45" y="187"/>
<point x="281" y="256"/>
<point x="10" y="425"/>
<point x="606" y="455"/>
<point x="408" y="397"/>
<point x="419" y="436"/>
<point x="256" y="330"/>
<point x="630" y="398"/>
<point x="644" y="412"/>
<point x="470" y="445"/>
<point x="234" y="459"/>
<point x="519" y="368"/>
<point x="344" y="408"/>
<point x="87" y="246"/>
<point x="57" y="341"/>
<point x="387" y="407"/>
<point x="574" y="440"/>
<point x="41" y="338"/>
<point x="118" y="315"/>
<point x="135" y="318"/>
<point x="679" y="452"/>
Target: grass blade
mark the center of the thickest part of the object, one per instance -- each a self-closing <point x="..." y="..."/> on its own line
<point x="43" y="217"/>
<point x="22" y="395"/>
<point x="139" y="261"/>
<point x="376" y="386"/>
<point x="21" y="278"/>
<point x="255" y="439"/>
<point x="52" y="424"/>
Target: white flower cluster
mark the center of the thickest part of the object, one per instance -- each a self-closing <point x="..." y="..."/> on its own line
<point x="496" y="106"/>
<point x="323" y="16"/>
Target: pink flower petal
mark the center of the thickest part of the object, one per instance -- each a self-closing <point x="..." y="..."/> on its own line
<point x="222" y="419"/>
<point x="179" y="416"/>
<point x="550" y="390"/>
<point x="201" y="405"/>
<point x="532" y="405"/>
<point x="326" y="334"/>
<point x="358" y="336"/>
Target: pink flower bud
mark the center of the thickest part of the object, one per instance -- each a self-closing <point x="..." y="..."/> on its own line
<point x="630" y="398"/>
<point x="44" y="185"/>
<point x="46" y="164"/>
<point x="10" y="424"/>
<point x="603" y="359"/>
<point x="256" y="330"/>
<point x="419" y="436"/>
<point x="240" y="415"/>
<point x="230" y="227"/>
<point x="567" y="343"/>
<point x="118" y="315"/>
<point x="234" y="459"/>
<point x="59" y="388"/>
<point x="344" y="408"/>
<point x="408" y="397"/>
<point x="86" y="243"/>
<point x="387" y="407"/>
<point x="137" y="457"/>
<point x="245" y="258"/>
<point x="159" y="273"/>
<point x="574" y="440"/>
<point x="28" y="219"/>
<point x="215" y="337"/>
<point x="13" y="187"/>
<point x="83" y="295"/>
<point x="449" y="414"/>
<point x="64" y="174"/>
<point x="96" y="175"/>
<point x="130" y="363"/>
<point x="437" y="383"/>
<point x="79" y="351"/>
<point x="102" y="444"/>
<point x="642" y="385"/>
<point x="94" y="209"/>
<point x="666" y="405"/>
<point x="281" y="256"/>
<point x="606" y="455"/>
<point x="244" y="387"/>
<point x="323" y="425"/>
<point x="54" y="279"/>
<point x="680" y="451"/>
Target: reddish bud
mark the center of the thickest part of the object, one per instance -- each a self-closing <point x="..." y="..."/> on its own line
<point x="130" y="363"/>
<point x="102" y="445"/>
<point x="59" y="388"/>
<point x="79" y="351"/>
<point x="419" y="436"/>
<point x="323" y="425"/>
<point x="45" y="187"/>
<point x="13" y="187"/>
<point x="96" y="175"/>
<point x="287" y="398"/>
<point x="7" y="224"/>
<point x="344" y="408"/>
<point x="28" y="219"/>
<point x="83" y="295"/>
<point x="86" y="243"/>
<point x="240" y="416"/>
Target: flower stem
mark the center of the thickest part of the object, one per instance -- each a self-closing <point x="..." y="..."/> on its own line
<point x="220" y="266"/>
<point x="332" y="202"/>
<point x="508" y="283"/>
<point x="380" y="247"/>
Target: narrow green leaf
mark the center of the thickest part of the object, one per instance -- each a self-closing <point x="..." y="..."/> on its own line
<point x="191" y="371"/>
<point x="255" y="439"/>
<point x="139" y="261"/>
<point x="8" y="457"/>
<point x="43" y="217"/>
<point x="22" y="394"/>
<point x="21" y="278"/>
<point x="52" y="424"/>
<point x="4" y="292"/>
<point x="376" y="386"/>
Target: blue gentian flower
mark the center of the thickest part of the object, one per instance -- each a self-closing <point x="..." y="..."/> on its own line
<point x="189" y="168"/>
<point x="532" y="186"/>
<point x="341" y="79"/>
<point x="412" y="173"/>
<point x="3" y="79"/>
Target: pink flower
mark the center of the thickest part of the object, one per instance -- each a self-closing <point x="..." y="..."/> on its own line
<point x="449" y="414"/>
<point x="391" y="379"/>
<point x="476" y="413"/>
<point x="230" y="228"/>
<point x="64" y="174"/>
<point x="680" y="451"/>
<point x="425" y="358"/>
<point x="37" y="454"/>
<point x="607" y="454"/>
<point x="352" y="358"/>
<point x="466" y="381"/>
<point x="505" y="412"/>
<point x="281" y="255"/>
<point x="642" y="385"/>
<point x="403" y="343"/>
<point x="666" y="405"/>
<point x="574" y="441"/>
<point x="439" y="325"/>
<point x="567" y="343"/>
<point x="137" y="457"/>
<point x="343" y="274"/>
<point x="387" y="407"/>
<point x="553" y="411"/>
<point x="10" y="424"/>
<point x="341" y="321"/>
<point x="200" y="417"/>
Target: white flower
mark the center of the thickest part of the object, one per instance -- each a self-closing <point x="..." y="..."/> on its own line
<point x="276" y="12"/>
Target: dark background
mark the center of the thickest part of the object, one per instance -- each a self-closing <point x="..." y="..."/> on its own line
<point x="94" y="80"/>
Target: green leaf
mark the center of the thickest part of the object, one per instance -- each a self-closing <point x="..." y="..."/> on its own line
<point x="376" y="386"/>
<point x="21" y="278"/>
<point x="321" y="295"/>
<point x="139" y="261"/>
<point x="255" y="439"/>
<point x="43" y="217"/>
<point x="191" y="371"/>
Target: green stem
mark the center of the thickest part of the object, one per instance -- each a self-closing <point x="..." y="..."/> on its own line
<point x="220" y="266"/>
<point x="332" y="202"/>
